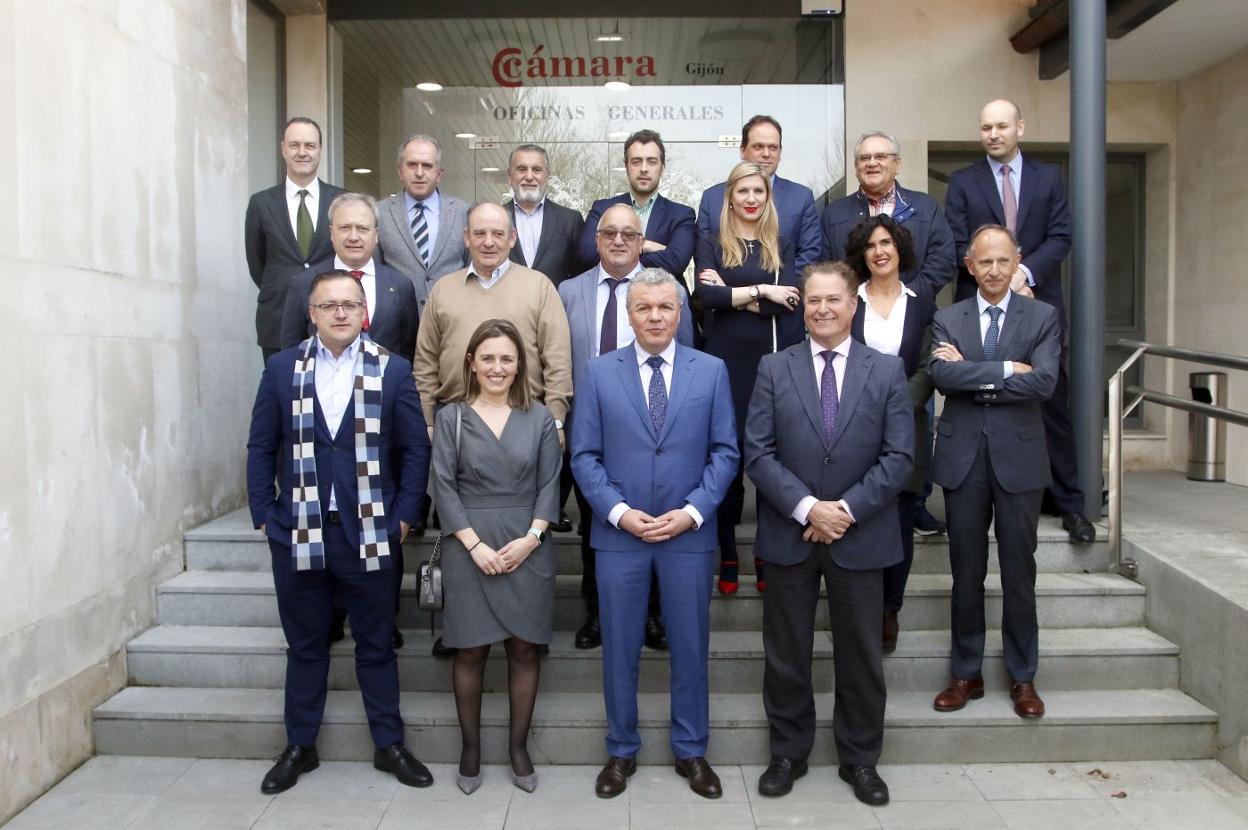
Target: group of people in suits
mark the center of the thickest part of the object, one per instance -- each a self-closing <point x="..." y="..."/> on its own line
<point x="458" y="337"/>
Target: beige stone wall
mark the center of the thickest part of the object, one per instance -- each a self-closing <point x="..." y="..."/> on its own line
<point x="130" y="351"/>
<point x="1211" y="245"/>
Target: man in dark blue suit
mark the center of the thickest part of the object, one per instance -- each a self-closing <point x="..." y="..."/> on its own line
<point x="829" y="442"/>
<point x="761" y="143"/>
<point x="669" y="228"/>
<point x="654" y="449"/>
<point x="337" y="423"/>
<point x="1028" y="198"/>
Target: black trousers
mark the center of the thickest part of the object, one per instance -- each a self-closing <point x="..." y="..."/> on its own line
<point x="304" y="604"/>
<point x="969" y="510"/>
<point x="1059" y="436"/>
<point x="896" y="576"/>
<point x="855" y="605"/>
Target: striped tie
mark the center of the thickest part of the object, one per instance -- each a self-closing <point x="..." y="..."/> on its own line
<point x="420" y="232"/>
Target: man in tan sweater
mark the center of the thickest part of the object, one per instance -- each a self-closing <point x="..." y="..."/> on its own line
<point x="493" y="287"/>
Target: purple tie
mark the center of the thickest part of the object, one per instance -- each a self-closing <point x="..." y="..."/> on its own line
<point x="827" y="394"/>
<point x="607" y="339"/>
<point x="1009" y="203"/>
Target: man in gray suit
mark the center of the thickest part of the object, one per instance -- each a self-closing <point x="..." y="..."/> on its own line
<point x="286" y="228"/>
<point x="995" y="358"/>
<point x="422" y="228"/>
<point x="597" y="310"/>
<point x="546" y="232"/>
<point x="829" y="442"/>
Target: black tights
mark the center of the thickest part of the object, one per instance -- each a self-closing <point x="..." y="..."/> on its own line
<point x="468" y="677"/>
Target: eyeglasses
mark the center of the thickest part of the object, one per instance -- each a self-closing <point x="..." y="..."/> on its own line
<point x="880" y="157"/>
<point x="628" y="236"/>
<point x="350" y="307"/>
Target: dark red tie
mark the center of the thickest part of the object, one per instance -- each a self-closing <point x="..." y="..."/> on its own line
<point x="359" y="277"/>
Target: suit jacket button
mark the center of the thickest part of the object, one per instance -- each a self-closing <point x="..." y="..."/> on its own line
<point x="306" y="265"/>
<point x="827" y="460"/>
<point x="658" y="451"/>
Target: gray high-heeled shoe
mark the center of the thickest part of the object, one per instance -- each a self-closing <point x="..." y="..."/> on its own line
<point x="528" y="783"/>
<point x="468" y="784"/>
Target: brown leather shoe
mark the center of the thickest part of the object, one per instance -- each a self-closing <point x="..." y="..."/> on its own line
<point x="958" y="693"/>
<point x="702" y="779"/>
<point x="613" y="779"/>
<point x="891" y="629"/>
<point x="1027" y="702"/>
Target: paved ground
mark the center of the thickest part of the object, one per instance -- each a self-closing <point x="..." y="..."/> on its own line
<point x="115" y="792"/>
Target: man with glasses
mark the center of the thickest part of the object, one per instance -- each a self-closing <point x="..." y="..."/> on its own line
<point x="595" y="303"/>
<point x="877" y="161"/>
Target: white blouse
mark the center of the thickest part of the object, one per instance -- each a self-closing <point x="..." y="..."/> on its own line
<point x="884" y="333"/>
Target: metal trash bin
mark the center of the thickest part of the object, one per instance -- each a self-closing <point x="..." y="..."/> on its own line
<point x="1206" y="437"/>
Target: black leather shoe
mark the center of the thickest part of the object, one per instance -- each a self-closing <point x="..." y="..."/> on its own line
<point x="396" y="641"/>
<point x="564" y="525"/>
<point x="925" y="524"/>
<point x="1080" y="529"/>
<point x="590" y="634"/>
<point x="441" y="651"/>
<point x="656" y="636"/>
<point x="869" y="788"/>
<point x="403" y="764"/>
<point x="293" y="762"/>
<point x="779" y="776"/>
<point x="613" y="779"/>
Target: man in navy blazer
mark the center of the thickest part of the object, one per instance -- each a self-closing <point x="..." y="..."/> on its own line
<point x="1031" y="203"/>
<point x="799" y="221"/>
<point x="653" y="450"/>
<point x="995" y="357"/>
<point x="305" y="590"/>
<point x="286" y="228"/>
<point x="597" y="309"/>
<point x="877" y="160"/>
<point x="392" y="309"/>
<point x="546" y="231"/>
<point x="829" y="442"/>
<point x="670" y="229"/>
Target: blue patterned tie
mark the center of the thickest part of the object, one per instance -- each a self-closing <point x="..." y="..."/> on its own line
<point x="828" y="398"/>
<point x="994" y="331"/>
<point x="658" y="394"/>
<point x="420" y="232"/>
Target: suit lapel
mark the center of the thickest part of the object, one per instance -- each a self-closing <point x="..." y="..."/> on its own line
<point x="1026" y="187"/>
<point x="682" y="377"/>
<point x="587" y="321"/>
<point x="320" y="239"/>
<point x="384" y="310"/>
<point x="630" y="379"/>
<point x="802" y="368"/>
<point x="549" y="219"/>
<point x="1015" y="317"/>
<point x="988" y="187"/>
<point x="857" y="368"/>
<point x="972" y="344"/>
<point x="280" y="216"/>
<point x="446" y="219"/>
<point x="517" y="250"/>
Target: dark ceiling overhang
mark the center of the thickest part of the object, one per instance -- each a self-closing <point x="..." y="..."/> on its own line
<point x="1047" y="30"/>
<point x="468" y="9"/>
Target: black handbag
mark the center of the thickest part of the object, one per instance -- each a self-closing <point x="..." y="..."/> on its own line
<point x="429" y="596"/>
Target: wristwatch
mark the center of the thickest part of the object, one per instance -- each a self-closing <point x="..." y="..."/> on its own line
<point x="540" y="535"/>
<point x="754" y="292"/>
<point x="558" y="424"/>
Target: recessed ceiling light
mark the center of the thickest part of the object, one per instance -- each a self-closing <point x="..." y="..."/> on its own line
<point x="361" y="170"/>
<point x="429" y="86"/>
<point x="465" y="135"/>
<point x="617" y="86"/>
<point x="489" y="169"/>
<point x="611" y="38"/>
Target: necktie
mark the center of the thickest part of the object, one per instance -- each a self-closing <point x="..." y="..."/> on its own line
<point x="303" y="225"/>
<point x="607" y="341"/>
<point x="420" y="232"/>
<point x="828" y="398"/>
<point x="359" y="277"/>
<point x="994" y="332"/>
<point x="658" y="394"/>
<point x="1008" y="200"/>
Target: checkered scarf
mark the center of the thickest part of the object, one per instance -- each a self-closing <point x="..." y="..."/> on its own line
<point x="306" y="543"/>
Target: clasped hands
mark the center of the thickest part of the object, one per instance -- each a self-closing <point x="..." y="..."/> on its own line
<point x="507" y="558"/>
<point x="826" y="522"/>
<point x="649" y="528"/>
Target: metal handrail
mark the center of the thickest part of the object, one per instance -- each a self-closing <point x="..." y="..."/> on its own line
<point x="1117" y="412"/>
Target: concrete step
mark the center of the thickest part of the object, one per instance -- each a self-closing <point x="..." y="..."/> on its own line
<point x="230" y="544"/>
<point x="1071" y="658"/>
<point x="240" y="598"/>
<point x="569" y="728"/>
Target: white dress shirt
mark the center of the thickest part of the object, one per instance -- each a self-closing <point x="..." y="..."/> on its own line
<point x="1016" y="179"/>
<point x="312" y="200"/>
<point x="529" y="229"/>
<point x="488" y="282"/>
<point x="985" y="320"/>
<point x="884" y="333"/>
<point x="369" y="281"/>
<point x="840" y="358"/>
<point x="665" y="371"/>
<point x="623" y="331"/>
<point x="433" y="215"/>
<point x="335" y="385"/>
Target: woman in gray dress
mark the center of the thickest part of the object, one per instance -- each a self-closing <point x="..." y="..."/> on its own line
<point x="495" y="482"/>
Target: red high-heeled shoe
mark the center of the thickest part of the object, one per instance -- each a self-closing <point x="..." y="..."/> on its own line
<point x="726" y="587"/>
<point x="761" y="582"/>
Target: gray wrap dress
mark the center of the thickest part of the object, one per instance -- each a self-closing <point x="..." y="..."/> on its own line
<point x="496" y="486"/>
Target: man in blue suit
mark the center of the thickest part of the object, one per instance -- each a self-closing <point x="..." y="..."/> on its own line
<point x="829" y="442"/>
<point x="337" y="423"/>
<point x="1027" y="197"/>
<point x="597" y="309"/>
<point x="799" y="221"/>
<point x="654" y="449"/>
<point x="669" y="228"/>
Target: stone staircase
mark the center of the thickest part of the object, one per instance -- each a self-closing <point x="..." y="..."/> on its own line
<point x="207" y="680"/>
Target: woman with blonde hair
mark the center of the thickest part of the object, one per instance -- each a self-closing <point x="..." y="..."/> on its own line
<point x="749" y="295"/>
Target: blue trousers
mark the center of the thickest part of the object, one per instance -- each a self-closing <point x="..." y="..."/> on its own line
<point x="623" y="590"/>
<point x="305" y="601"/>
